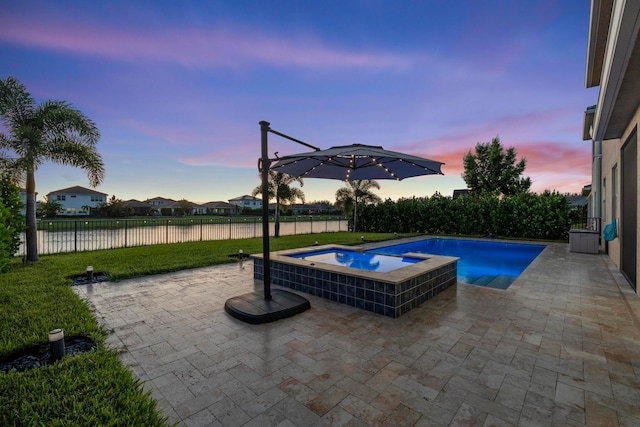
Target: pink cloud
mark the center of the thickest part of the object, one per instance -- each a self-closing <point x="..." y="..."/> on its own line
<point x="188" y="47"/>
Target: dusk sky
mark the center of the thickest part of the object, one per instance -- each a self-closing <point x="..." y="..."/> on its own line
<point x="177" y="88"/>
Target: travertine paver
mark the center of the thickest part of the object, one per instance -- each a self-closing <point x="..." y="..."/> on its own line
<point x="561" y="346"/>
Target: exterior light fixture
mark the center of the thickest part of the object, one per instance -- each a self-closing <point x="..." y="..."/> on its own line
<point x="56" y="344"/>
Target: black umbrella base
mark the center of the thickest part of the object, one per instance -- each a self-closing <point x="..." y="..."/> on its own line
<point x="253" y="308"/>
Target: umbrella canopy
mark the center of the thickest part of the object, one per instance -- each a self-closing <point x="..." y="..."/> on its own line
<point x="356" y="162"/>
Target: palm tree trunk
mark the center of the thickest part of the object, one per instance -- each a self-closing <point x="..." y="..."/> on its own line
<point x="32" y="231"/>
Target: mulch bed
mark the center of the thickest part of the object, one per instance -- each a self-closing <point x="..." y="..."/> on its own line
<point x="81" y="279"/>
<point x="40" y="355"/>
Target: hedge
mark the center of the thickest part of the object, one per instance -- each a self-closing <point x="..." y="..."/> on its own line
<point x="545" y="216"/>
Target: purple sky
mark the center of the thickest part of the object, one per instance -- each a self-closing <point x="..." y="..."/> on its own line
<point x="177" y="88"/>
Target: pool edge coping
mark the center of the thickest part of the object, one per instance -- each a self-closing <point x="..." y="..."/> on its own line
<point x="430" y="263"/>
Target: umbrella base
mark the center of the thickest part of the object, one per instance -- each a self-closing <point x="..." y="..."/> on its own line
<point x="253" y="308"/>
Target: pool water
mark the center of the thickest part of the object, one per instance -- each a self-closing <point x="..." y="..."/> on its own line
<point x="491" y="264"/>
<point x="359" y="260"/>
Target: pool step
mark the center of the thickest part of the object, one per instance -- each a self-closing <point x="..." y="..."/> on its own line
<point x="483" y="280"/>
<point x="498" y="282"/>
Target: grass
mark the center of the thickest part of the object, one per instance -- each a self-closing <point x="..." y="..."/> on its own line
<point x="95" y="388"/>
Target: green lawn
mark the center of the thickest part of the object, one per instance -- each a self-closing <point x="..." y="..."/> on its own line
<point x="95" y="388"/>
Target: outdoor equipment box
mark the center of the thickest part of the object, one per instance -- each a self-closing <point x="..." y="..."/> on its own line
<point x="584" y="241"/>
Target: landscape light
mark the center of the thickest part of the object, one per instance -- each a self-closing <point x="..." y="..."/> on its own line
<point x="56" y="344"/>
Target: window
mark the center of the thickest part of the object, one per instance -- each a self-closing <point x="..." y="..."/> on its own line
<point x="71" y="211"/>
<point x="61" y="197"/>
<point x="96" y="198"/>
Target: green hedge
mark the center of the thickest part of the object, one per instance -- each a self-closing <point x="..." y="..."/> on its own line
<point x="527" y="215"/>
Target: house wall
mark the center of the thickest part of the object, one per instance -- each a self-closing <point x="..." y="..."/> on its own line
<point x="611" y="155"/>
<point x="634" y="124"/>
<point x="73" y="203"/>
<point x="610" y="158"/>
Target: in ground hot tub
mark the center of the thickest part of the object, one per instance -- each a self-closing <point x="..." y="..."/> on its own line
<point x="345" y="275"/>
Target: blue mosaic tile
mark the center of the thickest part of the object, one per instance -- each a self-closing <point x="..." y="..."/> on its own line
<point x="379" y="297"/>
<point x="369" y="295"/>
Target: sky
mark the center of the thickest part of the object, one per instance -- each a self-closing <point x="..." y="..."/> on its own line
<point x="177" y="88"/>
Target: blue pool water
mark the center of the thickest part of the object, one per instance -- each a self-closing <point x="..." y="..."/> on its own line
<point x="492" y="264"/>
<point x="359" y="260"/>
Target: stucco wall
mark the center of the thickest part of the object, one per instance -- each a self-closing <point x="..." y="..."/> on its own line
<point x="611" y="151"/>
<point x="633" y="125"/>
<point x="610" y="158"/>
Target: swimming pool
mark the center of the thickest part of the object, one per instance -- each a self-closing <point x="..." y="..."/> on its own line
<point x="491" y="264"/>
<point x="358" y="260"/>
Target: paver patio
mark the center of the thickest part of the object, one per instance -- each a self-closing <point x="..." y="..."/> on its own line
<point x="561" y="346"/>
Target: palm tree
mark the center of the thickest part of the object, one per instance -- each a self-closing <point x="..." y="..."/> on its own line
<point x="281" y="190"/>
<point x="49" y="208"/>
<point x="50" y="131"/>
<point x="358" y="191"/>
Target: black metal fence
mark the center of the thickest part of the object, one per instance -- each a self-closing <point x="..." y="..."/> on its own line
<point x="56" y="236"/>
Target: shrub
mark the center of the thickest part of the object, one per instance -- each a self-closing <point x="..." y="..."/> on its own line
<point x="11" y="221"/>
<point x="525" y="215"/>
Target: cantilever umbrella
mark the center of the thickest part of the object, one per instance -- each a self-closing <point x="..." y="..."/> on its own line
<point x="346" y="163"/>
<point x="356" y="162"/>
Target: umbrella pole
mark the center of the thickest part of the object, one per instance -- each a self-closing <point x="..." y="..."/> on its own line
<point x="264" y="173"/>
<point x="355" y="215"/>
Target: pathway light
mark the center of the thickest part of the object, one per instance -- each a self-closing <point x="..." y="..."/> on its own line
<point x="56" y="344"/>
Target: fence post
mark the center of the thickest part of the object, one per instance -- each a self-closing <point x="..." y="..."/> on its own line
<point x="311" y="222"/>
<point x="167" y="232"/>
<point x="126" y="229"/>
<point x="75" y="235"/>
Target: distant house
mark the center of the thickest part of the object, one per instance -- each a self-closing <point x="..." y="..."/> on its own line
<point x="577" y="201"/>
<point x="77" y="201"/>
<point x="162" y="206"/>
<point x="140" y="208"/>
<point x="246" y="202"/>
<point x="460" y="193"/>
<point x="23" y="199"/>
<point x="220" y="208"/>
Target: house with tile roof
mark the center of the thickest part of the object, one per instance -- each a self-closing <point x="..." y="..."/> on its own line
<point x="77" y="201"/>
<point x="220" y="208"/>
<point x="246" y="202"/>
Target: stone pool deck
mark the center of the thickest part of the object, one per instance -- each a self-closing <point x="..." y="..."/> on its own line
<point x="561" y="346"/>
